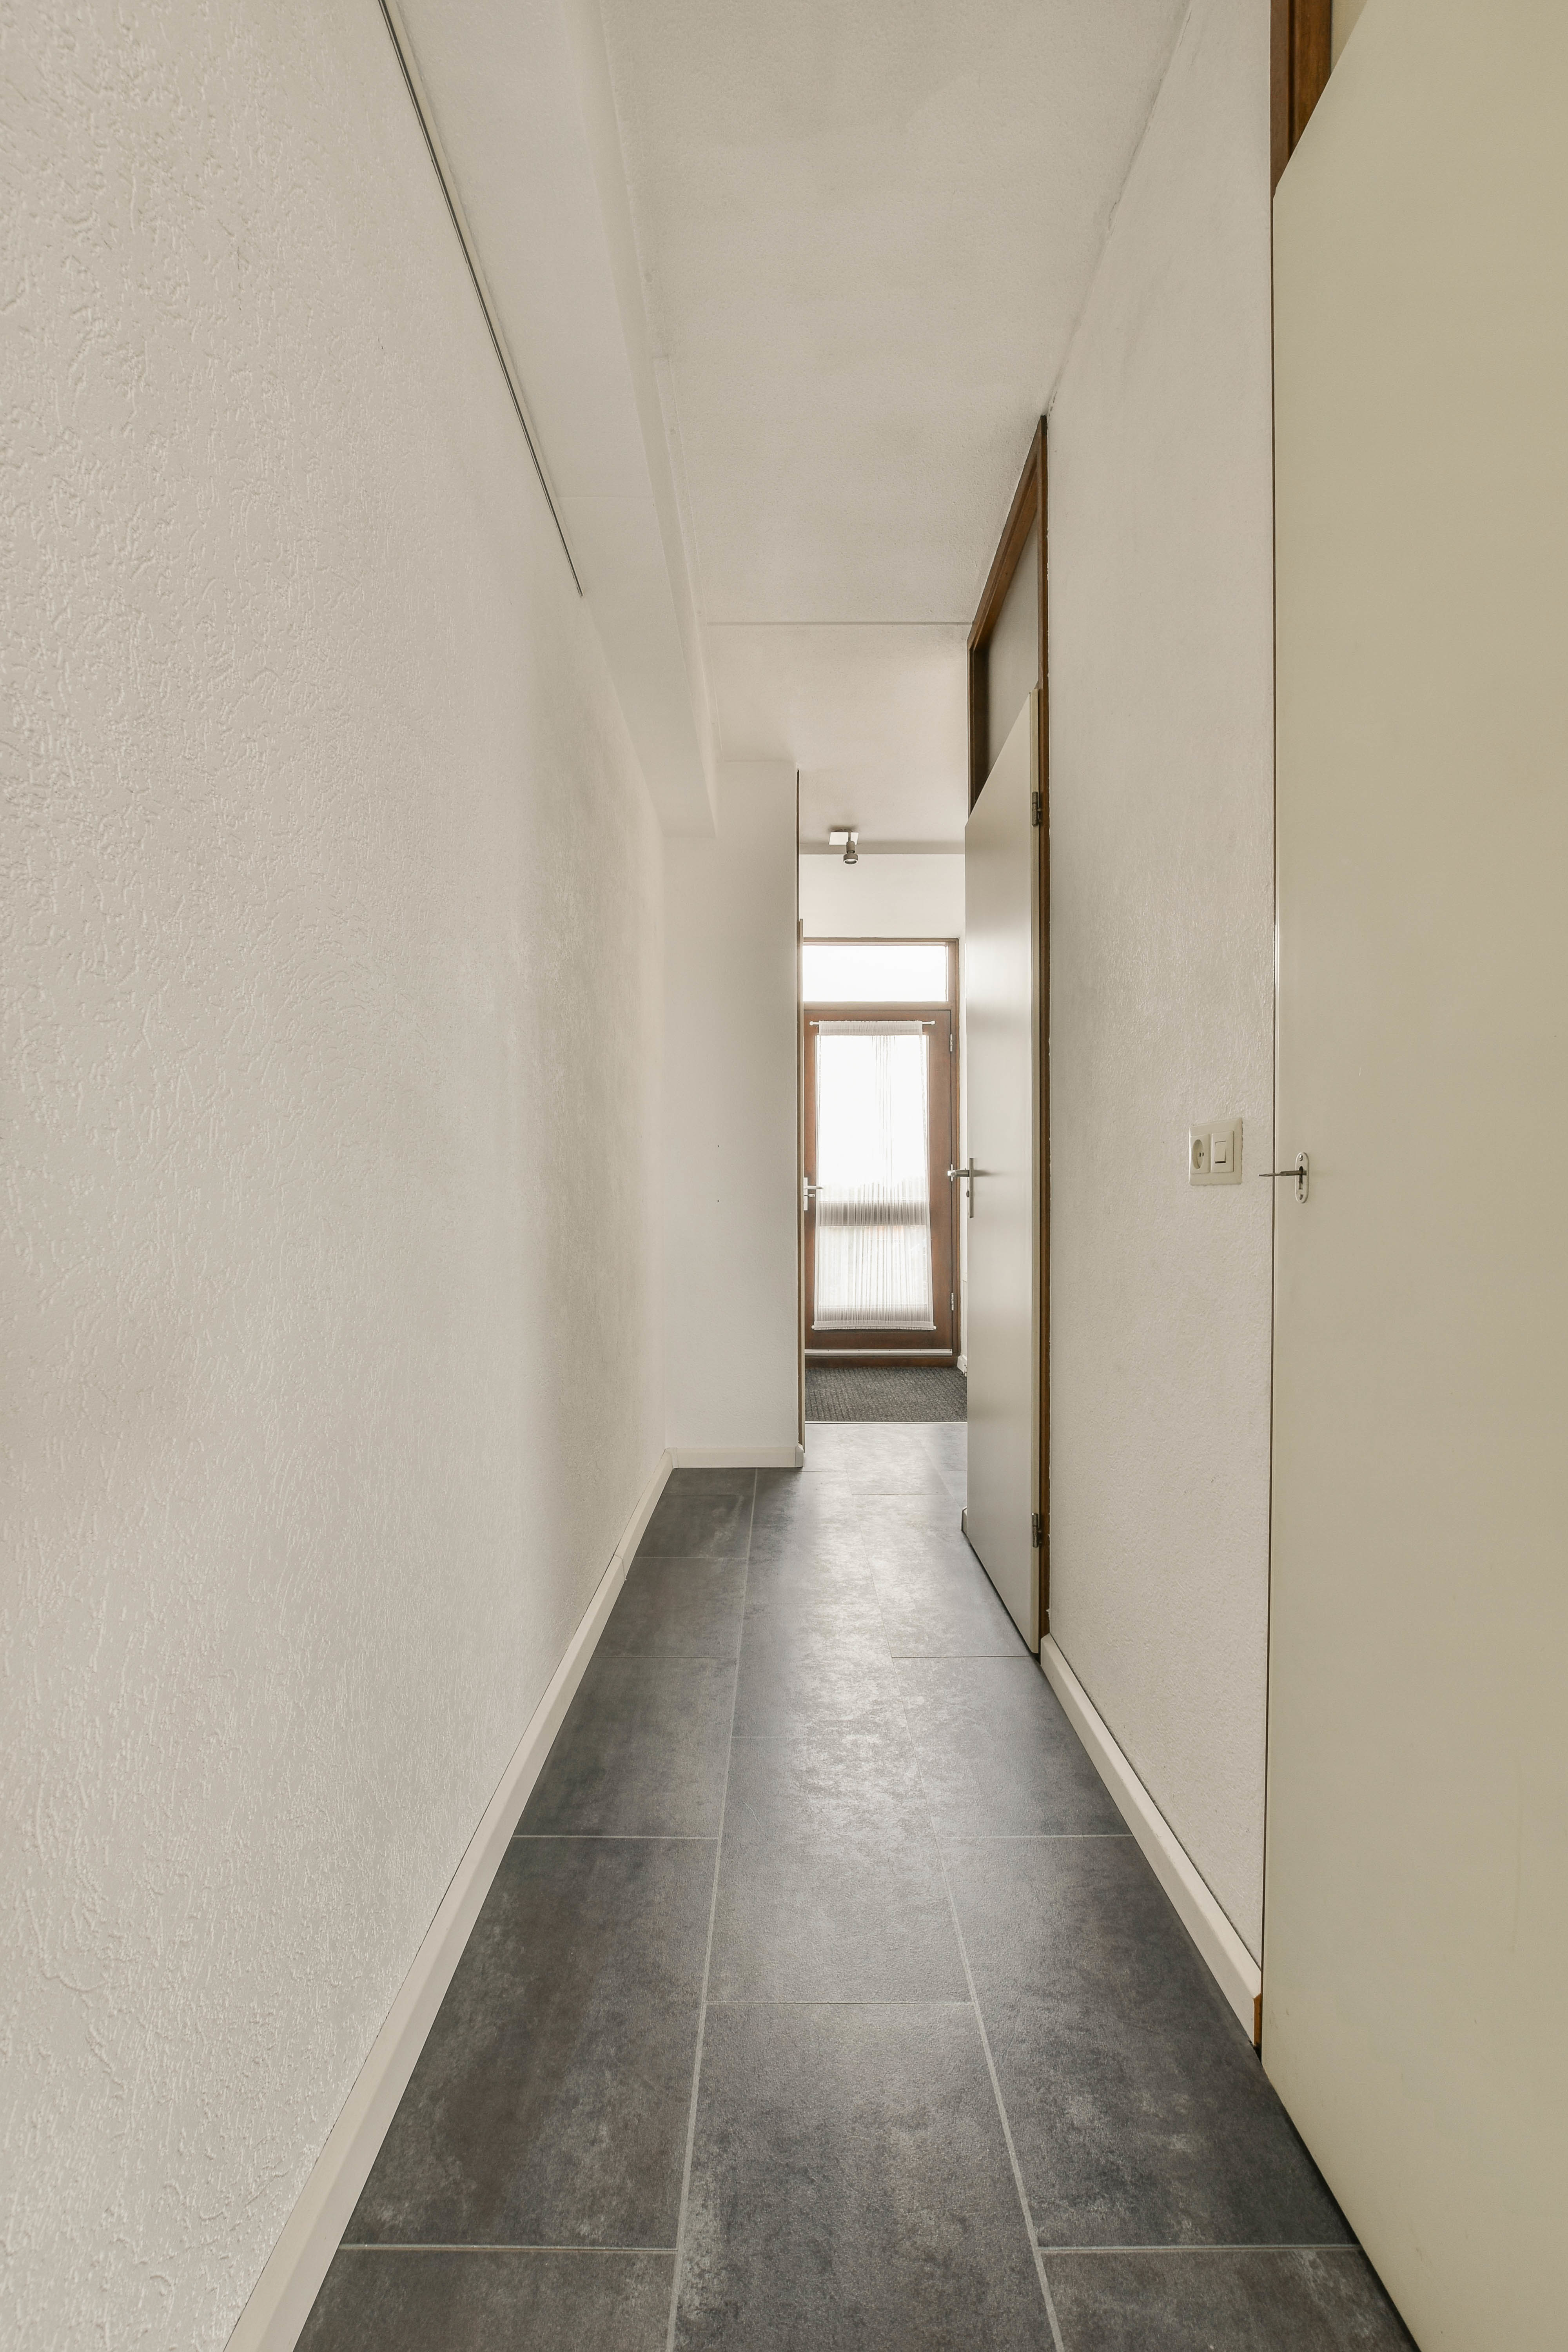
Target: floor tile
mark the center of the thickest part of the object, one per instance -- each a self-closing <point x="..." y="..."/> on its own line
<point x="642" y="1752"/>
<point x="947" y="1443"/>
<point x="823" y="1556"/>
<point x="1139" y="2111"/>
<point x="1223" y="2303"/>
<point x="998" y="1757"/>
<point x="549" y="2103"/>
<point x="846" y="1919"/>
<point x="795" y="1506"/>
<point x="887" y="1457"/>
<point x="857" y="1778"/>
<point x="807" y="1673"/>
<point x="540" y="2302"/>
<point x="785" y="1603"/>
<point x="850" y="2189"/>
<point x="936" y="1599"/>
<point x="678" y="1607"/>
<point x="702" y="1513"/>
<point x="830" y="1883"/>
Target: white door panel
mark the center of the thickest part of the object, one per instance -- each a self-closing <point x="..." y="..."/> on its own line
<point x="1001" y="964"/>
<point x="1416" y="1935"/>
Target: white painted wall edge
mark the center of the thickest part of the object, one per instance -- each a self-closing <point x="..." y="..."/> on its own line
<point x="1234" y="1968"/>
<point x="280" y="2301"/>
<point x="739" y="1457"/>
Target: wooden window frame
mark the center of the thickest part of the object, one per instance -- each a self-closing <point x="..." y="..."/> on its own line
<point x="1300" y="55"/>
<point x="1029" y="505"/>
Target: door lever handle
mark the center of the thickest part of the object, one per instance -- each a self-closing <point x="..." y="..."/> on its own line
<point x="1300" y="1172"/>
<point x="965" y="1176"/>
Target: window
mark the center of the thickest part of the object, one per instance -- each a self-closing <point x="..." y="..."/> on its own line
<point x="876" y="972"/>
<point x="873" y="1178"/>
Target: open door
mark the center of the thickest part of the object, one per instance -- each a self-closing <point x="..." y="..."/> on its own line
<point x="1002" y="1180"/>
<point x="1415" y="1929"/>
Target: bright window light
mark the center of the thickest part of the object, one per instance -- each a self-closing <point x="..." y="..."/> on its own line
<point x="876" y="972"/>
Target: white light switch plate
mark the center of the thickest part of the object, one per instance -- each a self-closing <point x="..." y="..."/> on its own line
<point x="1217" y="1139"/>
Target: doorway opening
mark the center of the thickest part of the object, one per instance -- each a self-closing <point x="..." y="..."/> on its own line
<point x="880" y="1059"/>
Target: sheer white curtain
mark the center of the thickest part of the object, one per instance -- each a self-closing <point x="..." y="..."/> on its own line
<point x="873" y="1178"/>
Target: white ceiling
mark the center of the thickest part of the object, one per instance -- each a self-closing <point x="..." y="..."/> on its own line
<point x="788" y="283"/>
<point x="866" y="232"/>
<point x="874" y="717"/>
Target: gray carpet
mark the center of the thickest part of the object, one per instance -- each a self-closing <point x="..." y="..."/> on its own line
<point x="862" y="1392"/>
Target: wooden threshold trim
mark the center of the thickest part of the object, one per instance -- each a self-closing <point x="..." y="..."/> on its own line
<point x="864" y="1356"/>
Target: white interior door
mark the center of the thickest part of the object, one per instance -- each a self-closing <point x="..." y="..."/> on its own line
<point x="1001" y="1005"/>
<point x="1416" y="1935"/>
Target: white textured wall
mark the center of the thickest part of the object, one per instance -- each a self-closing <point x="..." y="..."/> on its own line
<point x="878" y="898"/>
<point x="1162" y="958"/>
<point x="731" y="1268"/>
<point x="331" y="1025"/>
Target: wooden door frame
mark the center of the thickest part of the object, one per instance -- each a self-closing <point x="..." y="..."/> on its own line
<point x="1300" y="53"/>
<point x="873" y="1356"/>
<point x="1029" y="506"/>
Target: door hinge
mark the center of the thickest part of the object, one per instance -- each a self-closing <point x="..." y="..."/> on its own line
<point x="953" y="1302"/>
<point x="1037" y="808"/>
<point x="1038" y="1531"/>
<point x="949" y="1041"/>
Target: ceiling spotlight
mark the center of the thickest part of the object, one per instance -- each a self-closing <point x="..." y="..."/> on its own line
<point x="842" y="837"/>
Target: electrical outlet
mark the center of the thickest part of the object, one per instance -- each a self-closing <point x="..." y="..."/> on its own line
<point x="1214" y="1152"/>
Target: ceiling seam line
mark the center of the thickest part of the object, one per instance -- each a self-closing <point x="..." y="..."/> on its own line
<point x="398" y="39"/>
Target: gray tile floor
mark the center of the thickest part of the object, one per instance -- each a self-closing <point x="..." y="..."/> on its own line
<point x="823" y="2000"/>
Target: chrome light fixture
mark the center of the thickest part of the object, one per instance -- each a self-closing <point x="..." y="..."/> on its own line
<point x="843" y="837"/>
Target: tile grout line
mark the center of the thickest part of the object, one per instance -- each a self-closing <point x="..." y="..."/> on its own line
<point x="985" y="2047"/>
<point x="708" y="1956"/>
<point x="990" y="2061"/>
<point x="1002" y="2112"/>
<point x="481" y="2246"/>
<point x="849" y="2001"/>
<point x="1218" y="2246"/>
<point x="1039" y="1837"/>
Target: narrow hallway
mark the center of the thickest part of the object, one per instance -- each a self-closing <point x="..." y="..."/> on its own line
<point x="824" y="1999"/>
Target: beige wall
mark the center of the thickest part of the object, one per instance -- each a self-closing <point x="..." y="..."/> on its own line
<point x="1162" y="958"/>
<point x="896" y="898"/>
<point x="1346" y="15"/>
<point x="730" y="1263"/>
<point x="1413" y="2013"/>
<point x="332" y="972"/>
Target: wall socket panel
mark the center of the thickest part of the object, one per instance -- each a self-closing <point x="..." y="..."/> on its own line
<point x="1214" y="1152"/>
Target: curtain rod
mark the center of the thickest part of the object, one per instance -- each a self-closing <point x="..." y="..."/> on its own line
<point x="405" y="58"/>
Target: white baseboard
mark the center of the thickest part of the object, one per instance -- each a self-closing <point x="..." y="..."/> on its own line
<point x="1235" y="1970"/>
<point x="737" y="1457"/>
<point x="280" y="2300"/>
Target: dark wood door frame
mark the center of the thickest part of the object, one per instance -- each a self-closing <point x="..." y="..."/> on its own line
<point x="1301" y="54"/>
<point x="1029" y="506"/>
<point x="895" y="1348"/>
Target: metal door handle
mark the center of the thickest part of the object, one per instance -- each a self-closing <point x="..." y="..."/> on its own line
<point x="811" y="1192"/>
<point x="965" y="1176"/>
<point x="1300" y="1172"/>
